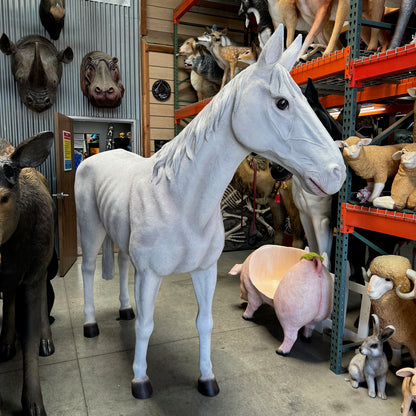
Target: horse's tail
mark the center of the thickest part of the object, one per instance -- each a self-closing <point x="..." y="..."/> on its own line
<point x="108" y="259"/>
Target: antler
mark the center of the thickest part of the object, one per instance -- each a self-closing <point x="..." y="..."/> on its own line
<point x="411" y="274"/>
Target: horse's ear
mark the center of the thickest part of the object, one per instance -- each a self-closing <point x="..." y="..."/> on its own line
<point x="273" y="49"/>
<point x="291" y="54"/>
<point x="310" y="92"/>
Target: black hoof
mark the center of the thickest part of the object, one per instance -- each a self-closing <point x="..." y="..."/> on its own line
<point x="308" y="340"/>
<point x="283" y="354"/>
<point x="91" y="330"/>
<point x="141" y="389"/>
<point x="208" y="387"/>
<point x="247" y="319"/>
<point x="126" y="314"/>
<point x="46" y="347"/>
<point x="7" y="352"/>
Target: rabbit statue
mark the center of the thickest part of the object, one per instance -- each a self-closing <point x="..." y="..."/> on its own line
<point x="370" y="363"/>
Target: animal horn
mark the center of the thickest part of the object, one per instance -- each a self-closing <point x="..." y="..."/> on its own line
<point x="411" y="274"/>
<point x="37" y="75"/>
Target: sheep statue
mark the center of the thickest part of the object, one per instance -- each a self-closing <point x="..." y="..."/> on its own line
<point x="403" y="188"/>
<point x="408" y="388"/>
<point x="386" y="274"/>
<point x="370" y="363"/>
<point x="372" y="163"/>
<point x="296" y="283"/>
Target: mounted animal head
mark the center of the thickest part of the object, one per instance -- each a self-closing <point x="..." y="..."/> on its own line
<point x="29" y="154"/>
<point x="37" y="69"/>
<point x="101" y="80"/>
<point x="52" y="16"/>
<point x="282" y="126"/>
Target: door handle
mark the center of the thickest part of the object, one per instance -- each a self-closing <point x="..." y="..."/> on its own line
<point x="60" y="195"/>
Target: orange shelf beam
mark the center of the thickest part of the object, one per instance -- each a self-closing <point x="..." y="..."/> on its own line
<point x="182" y="9"/>
<point x="384" y="64"/>
<point x="373" y="94"/>
<point x="190" y="110"/>
<point x="322" y="68"/>
<point x="380" y="220"/>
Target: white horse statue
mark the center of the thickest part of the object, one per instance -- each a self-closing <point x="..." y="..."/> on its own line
<point x="163" y="212"/>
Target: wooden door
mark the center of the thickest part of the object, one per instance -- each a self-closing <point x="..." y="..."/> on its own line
<point x="65" y="178"/>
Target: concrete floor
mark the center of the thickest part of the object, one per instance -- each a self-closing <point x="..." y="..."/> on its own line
<point x="92" y="376"/>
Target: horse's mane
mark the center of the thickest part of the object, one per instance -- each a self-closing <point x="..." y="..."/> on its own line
<point x="189" y="141"/>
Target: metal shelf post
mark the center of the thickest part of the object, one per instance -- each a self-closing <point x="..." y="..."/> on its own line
<point x="341" y="251"/>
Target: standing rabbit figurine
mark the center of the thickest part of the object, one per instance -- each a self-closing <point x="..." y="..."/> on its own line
<point x="370" y="363"/>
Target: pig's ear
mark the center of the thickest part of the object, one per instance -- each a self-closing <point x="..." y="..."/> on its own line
<point x="235" y="270"/>
<point x="406" y="372"/>
<point x="318" y="264"/>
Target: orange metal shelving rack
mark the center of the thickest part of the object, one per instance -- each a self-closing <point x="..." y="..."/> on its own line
<point x="397" y="223"/>
<point x="378" y="77"/>
<point x="337" y="67"/>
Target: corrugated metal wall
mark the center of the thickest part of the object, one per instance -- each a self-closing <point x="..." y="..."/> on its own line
<point x="89" y="26"/>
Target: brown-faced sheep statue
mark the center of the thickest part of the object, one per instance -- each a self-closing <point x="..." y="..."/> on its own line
<point x="386" y="274"/>
<point x="371" y="162"/>
<point x="403" y="188"/>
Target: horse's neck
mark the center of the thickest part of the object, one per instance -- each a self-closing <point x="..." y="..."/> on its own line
<point x="205" y="178"/>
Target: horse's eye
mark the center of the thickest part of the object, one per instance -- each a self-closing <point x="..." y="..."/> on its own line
<point x="4" y="199"/>
<point x="282" y="103"/>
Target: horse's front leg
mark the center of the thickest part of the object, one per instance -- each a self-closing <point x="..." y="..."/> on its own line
<point x="204" y="282"/>
<point x="146" y="287"/>
<point x="126" y="311"/>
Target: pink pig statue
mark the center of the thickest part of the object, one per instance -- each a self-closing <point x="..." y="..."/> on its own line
<point x="300" y="290"/>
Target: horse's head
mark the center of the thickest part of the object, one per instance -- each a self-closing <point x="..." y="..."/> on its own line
<point x="282" y="126"/>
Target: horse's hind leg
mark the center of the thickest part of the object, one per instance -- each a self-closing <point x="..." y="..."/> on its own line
<point x="92" y="237"/>
<point x="146" y="287"/>
<point x="204" y="282"/>
<point x="126" y="311"/>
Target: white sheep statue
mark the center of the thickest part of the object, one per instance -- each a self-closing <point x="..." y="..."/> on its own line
<point x="386" y="274"/>
<point x="373" y="163"/>
<point x="403" y="188"/>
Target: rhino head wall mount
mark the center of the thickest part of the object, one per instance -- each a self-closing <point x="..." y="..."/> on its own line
<point x="37" y="69"/>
